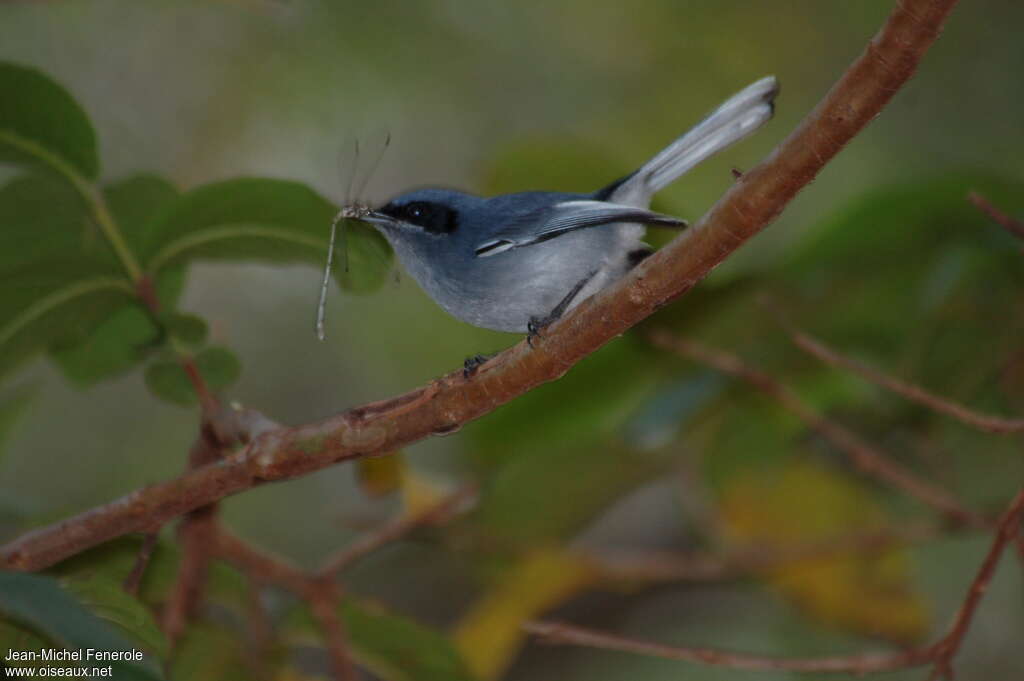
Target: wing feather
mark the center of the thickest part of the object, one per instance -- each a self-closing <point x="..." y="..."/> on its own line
<point x="568" y="216"/>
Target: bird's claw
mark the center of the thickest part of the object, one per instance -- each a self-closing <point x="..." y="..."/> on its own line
<point x="473" y="363"/>
<point x="536" y="325"/>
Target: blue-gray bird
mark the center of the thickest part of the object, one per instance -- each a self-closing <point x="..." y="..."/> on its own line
<point x="517" y="262"/>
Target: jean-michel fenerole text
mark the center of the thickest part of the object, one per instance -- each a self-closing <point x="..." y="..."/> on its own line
<point x="61" y="655"/>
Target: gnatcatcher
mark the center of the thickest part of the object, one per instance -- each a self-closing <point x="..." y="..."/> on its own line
<point x="517" y="262"/>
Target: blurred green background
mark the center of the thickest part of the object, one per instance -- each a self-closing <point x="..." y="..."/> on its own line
<point x="634" y="450"/>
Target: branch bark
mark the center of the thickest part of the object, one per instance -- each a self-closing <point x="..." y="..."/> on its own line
<point x="754" y="201"/>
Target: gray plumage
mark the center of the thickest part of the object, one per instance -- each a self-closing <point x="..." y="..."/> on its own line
<point x="506" y="262"/>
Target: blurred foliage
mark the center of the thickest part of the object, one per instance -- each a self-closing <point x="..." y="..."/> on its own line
<point x="392" y="647"/>
<point x="490" y="633"/>
<point x="884" y="260"/>
<point x="72" y="616"/>
<point x="72" y="251"/>
<point x="799" y="505"/>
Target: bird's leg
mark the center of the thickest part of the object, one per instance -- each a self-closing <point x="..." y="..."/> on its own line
<point x="538" y="324"/>
<point x="473" y="363"/>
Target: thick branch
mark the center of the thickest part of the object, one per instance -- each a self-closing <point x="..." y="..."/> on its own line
<point x="196" y="534"/>
<point x="754" y="201"/>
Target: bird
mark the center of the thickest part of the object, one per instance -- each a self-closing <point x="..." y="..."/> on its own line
<point x="517" y="262"/>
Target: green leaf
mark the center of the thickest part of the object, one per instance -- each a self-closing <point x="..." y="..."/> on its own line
<point x="211" y="653"/>
<point x="136" y="202"/>
<point x="393" y="647"/>
<point x="115" y="560"/>
<point x="11" y="408"/>
<point x="167" y="380"/>
<point x="38" y="307"/>
<point x="60" y="277"/>
<point x="603" y="392"/>
<point x="187" y="328"/>
<point x="113" y="347"/>
<point x="546" y="494"/>
<point x="266" y="220"/>
<point x="108" y="600"/>
<point x="44" y="220"/>
<point x="219" y="366"/>
<point x="43" y="605"/>
<point x="397" y="648"/>
<point x="15" y="507"/>
<point x="40" y="123"/>
<point x="896" y="221"/>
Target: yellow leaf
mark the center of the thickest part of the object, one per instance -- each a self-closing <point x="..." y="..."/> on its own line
<point x="490" y="634"/>
<point x="420" y="492"/>
<point x="803" y="506"/>
<point x="380" y="475"/>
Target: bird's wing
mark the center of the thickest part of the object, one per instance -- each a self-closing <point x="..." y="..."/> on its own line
<point x="567" y="216"/>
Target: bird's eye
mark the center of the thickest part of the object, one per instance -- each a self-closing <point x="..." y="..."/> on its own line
<point x="417" y="211"/>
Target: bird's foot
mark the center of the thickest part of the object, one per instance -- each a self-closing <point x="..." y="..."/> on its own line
<point x="538" y="324"/>
<point x="473" y="363"/>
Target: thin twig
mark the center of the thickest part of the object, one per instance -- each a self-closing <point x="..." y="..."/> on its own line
<point x="323" y="605"/>
<point x="749" y="205"/>
<point x="567" y="634"/>
<point x="260" y="629"/>
<point x="437" y="513"/>
<point x="261" y="565"/>
<point x="320" y="594"/>
<point x="319" y="589"/>
<point x="866" y="458"/>
<point x="134" y="578"/>
<point x="1008" y="528"/>
<point x="1010" y="224"/>
<point x="940" y="653"/>
<point x="984" y="422"/>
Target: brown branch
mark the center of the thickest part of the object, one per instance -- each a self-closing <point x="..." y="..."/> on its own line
<point x="1008" y="528"/>
<point x="984" y="422"/>
<point x="1010" y="224"/>
<point x="323" y="605"/>
<point x="437" y="513"/>
<point x="939" y="653"/>
<point x="261" y="566"/>
<point x="751" y="203"/>
<point x="196" y="535"/>
<point x="320" y="594"/>
<point x="866" y="458"/>
<point x="134" y="578"/>
<point x="260" y="630"/>
<point x="319" y="589"/>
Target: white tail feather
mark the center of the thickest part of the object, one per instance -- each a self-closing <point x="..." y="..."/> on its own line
<point x="736" y="118"/>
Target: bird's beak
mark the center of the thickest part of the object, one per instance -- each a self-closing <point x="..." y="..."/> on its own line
<point x="378" y="219"/>
<point x="363" y="213"/>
